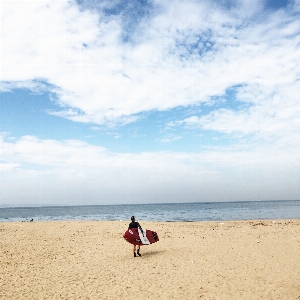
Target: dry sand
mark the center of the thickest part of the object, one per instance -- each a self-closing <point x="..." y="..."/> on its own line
<point x="203" y="260"/>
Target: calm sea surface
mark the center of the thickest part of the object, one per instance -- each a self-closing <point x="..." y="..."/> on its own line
<point x="172" y="212"/>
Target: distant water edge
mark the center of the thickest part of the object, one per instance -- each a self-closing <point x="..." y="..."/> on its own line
<point x="168" y="212"/>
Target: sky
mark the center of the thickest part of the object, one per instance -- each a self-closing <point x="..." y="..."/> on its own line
<point x="127" y="101"/>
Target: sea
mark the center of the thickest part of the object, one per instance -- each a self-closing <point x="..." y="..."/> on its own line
<point x="162" y="212"/>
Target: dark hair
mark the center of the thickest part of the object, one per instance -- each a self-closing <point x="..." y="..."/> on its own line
<point x="132" y="218"/>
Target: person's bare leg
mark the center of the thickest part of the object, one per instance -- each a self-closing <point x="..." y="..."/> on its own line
<point x="138" y="250"/>
<point x="134" y="247"/>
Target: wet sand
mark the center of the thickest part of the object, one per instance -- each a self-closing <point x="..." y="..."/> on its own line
<point x="194" y="260"/>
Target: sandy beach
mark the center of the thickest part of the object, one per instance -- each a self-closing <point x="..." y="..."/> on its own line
<point x="201" y="260"/>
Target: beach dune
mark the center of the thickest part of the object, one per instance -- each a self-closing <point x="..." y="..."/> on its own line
<point x="192" y="260"/>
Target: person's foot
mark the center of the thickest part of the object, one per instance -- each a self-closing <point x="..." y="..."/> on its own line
<point x="138" y="252"/>
<point x="134" y="254"/>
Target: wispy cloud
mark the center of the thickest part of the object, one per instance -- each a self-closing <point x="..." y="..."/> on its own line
<point x="170" y="138"/>
<point x="273" y="115"/>
<point x="51" y="171"/>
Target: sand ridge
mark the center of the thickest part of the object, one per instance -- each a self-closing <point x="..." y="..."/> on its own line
<point x="193" y="260"/>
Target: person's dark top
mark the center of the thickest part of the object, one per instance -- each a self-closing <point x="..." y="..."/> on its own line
<point x="135" y="225"/>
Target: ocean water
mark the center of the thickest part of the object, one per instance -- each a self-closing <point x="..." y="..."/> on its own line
<point x="170" y="212"/>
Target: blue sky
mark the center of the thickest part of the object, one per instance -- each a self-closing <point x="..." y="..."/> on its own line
<point x="107" y="102"/>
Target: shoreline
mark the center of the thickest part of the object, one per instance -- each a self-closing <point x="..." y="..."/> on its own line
<point x="246" y="259"/>
<point x="31" y="220"/>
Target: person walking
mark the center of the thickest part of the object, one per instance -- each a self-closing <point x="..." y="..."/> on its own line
<point x="135" y="224"/>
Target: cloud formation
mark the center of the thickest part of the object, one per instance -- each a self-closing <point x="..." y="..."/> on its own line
<point x="73" y="172"/>
<point x="181" y="53"/>
<point x="108" y="63"/>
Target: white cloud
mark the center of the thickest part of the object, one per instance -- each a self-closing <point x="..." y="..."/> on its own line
<point x="273" y="116"/>
<point x="170" y="138"/>
<point x="72" y="172"/>
<point x="80" y="53"/>
<point x="8" y="166"/>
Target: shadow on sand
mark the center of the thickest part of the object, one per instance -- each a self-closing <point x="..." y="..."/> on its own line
<point x="152" y="253"/>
